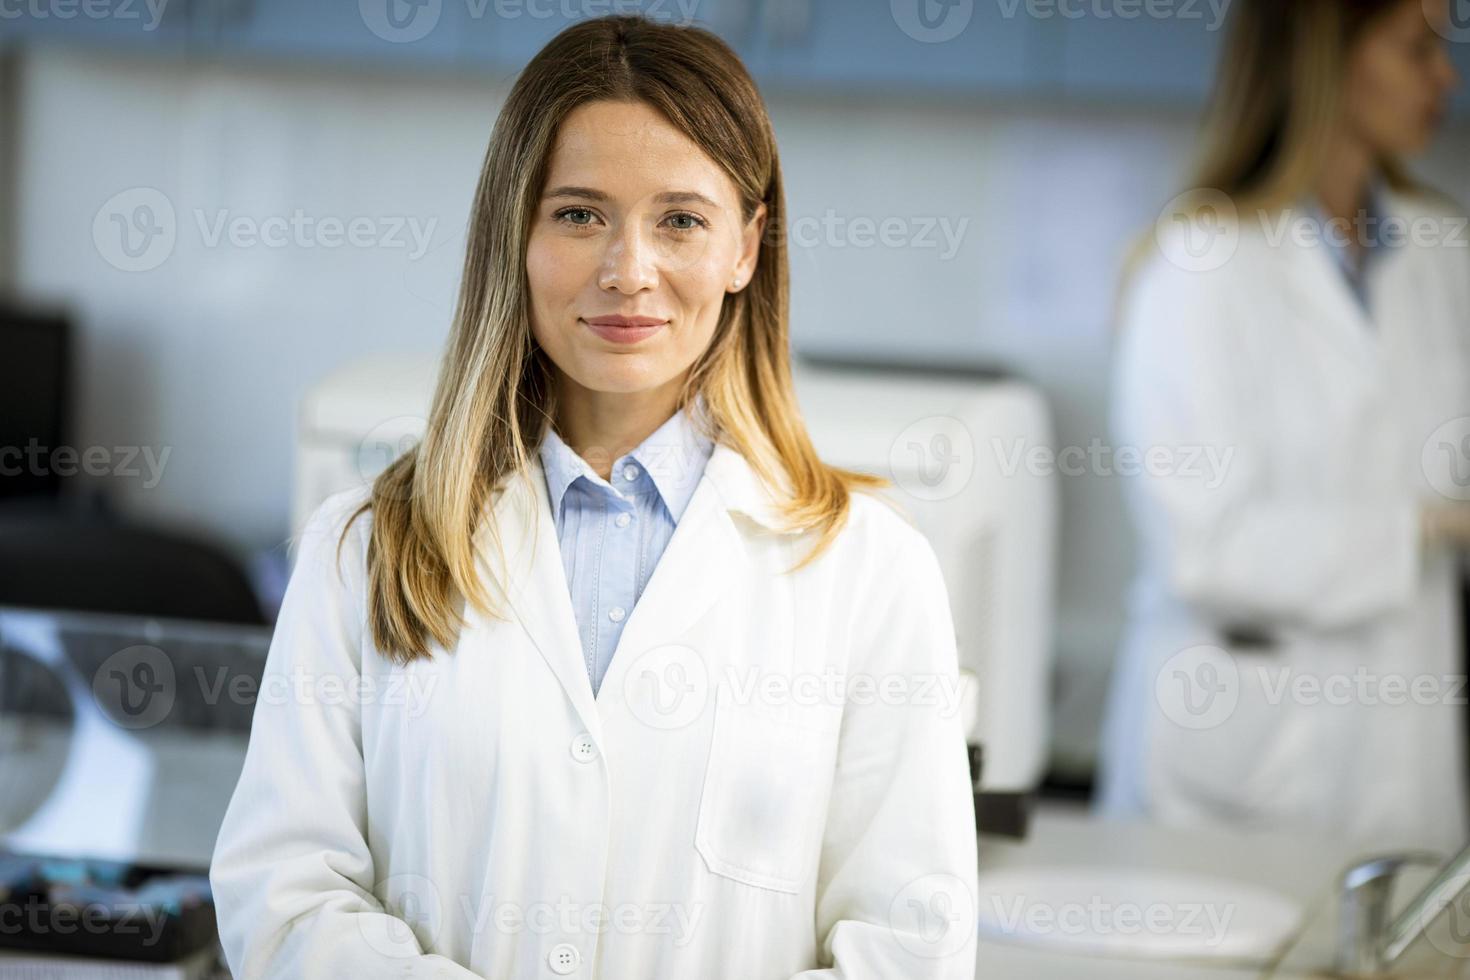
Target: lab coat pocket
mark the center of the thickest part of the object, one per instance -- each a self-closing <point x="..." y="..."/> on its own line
<point x="766" y="786"/>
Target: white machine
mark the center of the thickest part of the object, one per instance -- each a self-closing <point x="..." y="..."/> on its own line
<point x="955" y="444"/>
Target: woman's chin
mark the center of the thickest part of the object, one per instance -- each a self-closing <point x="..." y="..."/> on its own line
<point x="625" y="376"/>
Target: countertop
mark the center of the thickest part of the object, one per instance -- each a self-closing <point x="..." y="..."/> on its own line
<point x="1298" y="867"/>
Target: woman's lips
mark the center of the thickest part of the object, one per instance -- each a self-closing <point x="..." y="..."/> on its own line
<point x="625" y="329"/>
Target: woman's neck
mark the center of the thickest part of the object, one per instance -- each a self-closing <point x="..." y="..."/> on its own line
<point x="1343" y="188"/>
<point x="601" y="426"/>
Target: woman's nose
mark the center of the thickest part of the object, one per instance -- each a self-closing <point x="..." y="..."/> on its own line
<point x="630" y="262"/>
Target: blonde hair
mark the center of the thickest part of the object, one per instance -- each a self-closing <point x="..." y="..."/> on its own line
<point x="1278" y="98"/>
<point x="494" y="395"/>
<point x="1276" y="102"/>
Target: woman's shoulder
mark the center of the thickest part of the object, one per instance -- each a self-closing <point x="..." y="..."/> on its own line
<point x="1431" y="230"/>
<point x="884" y="564"/>
<point x="337" y="530"/>
<point x="1191" y="258"/>
<point x="1421" y="203"/>
<point x="880" y="527"/>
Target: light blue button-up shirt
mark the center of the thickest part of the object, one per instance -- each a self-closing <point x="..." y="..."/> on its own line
<point x="613" y="534"/>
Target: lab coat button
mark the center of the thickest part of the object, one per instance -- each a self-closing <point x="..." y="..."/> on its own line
<point x="564" y="958"/>
<point x="616" y="614"/>
<point x="584" y="749"/>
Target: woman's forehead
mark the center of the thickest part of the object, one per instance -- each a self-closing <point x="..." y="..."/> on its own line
<point x="627" y="152"/>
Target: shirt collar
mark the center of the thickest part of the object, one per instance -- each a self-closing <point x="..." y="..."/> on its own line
<point x="1366" y="224"/>
<point x="674" y="456"/>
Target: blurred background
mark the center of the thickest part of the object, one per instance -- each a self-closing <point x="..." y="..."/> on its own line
<point x="231" y="234"/>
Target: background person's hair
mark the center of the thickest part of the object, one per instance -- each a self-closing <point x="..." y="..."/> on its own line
<point x="1277" y="98"/>
<point x="494" y="395"/>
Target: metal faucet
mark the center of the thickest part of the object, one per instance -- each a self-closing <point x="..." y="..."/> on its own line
<point x="1368" y="944"/>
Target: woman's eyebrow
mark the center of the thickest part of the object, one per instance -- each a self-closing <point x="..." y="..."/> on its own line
<point x="666" y="197"/>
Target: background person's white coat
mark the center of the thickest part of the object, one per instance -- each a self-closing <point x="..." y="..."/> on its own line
<point x="1311" y="538"/>
<point x="481" y="814"/>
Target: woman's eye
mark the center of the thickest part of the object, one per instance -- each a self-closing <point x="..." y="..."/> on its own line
<point x="573" y="216"/>
<point x="586" y="217"/>
<point x="694" y="221"/>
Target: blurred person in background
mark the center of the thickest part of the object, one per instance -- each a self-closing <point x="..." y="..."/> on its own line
<point x="1292" y="658"/>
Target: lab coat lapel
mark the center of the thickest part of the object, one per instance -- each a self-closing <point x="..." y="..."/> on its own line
<point x="538" y="592"/>
<point x="1322" y="295"/>
<point x="705" y="559"/>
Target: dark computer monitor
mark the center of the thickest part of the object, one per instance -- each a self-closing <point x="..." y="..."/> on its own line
<point x="35" y="372"/>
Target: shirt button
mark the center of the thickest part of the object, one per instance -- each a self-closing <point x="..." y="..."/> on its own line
<point x="623" y="520"/>
<point x="630" y="472"/>
<point x="564" y="958"/>
<point x="584" y="749"/>
<point x="616" y="614"/>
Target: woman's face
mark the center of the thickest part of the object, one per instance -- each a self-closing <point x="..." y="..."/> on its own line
<point x="635" y="222"/>
<point x="1399" y="78"/>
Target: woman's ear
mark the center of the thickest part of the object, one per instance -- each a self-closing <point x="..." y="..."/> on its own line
<point x="750" y="247"/>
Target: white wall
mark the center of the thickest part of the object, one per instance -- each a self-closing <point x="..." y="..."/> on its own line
<point x="207" y="353"/>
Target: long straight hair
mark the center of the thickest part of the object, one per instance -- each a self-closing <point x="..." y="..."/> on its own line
<point x="494" y="395"/>
<point x="1277" y="99"/>
<point x="1276" y="102"/>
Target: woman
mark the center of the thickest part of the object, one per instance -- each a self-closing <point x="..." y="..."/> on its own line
<point x="1292" y="659"/>
<point x="527" y="775"/>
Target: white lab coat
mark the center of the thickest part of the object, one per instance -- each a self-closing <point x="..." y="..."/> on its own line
<point x="482" y="814"/>
<point x="1311" y="538"/>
